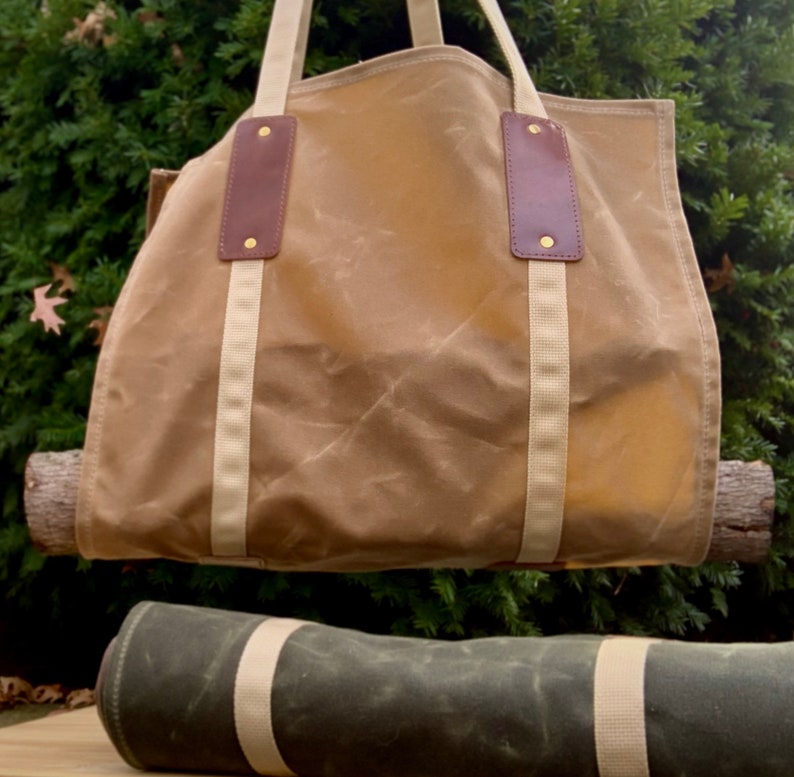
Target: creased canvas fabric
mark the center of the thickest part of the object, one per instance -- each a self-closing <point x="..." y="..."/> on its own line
<point x="391" y="389"/>
<point x="342" y="703"/>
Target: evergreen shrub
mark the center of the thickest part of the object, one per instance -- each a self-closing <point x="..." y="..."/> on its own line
<point x="89" y="104"/>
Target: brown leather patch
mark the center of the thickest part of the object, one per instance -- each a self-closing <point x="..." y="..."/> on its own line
<point x="543" y="203"/>
<point x="256" y="188"/>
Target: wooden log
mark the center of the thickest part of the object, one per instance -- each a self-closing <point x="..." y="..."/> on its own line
<point x="743" y="512"/>
<point x="51" y="481"/>
<point x="742" y="518"/>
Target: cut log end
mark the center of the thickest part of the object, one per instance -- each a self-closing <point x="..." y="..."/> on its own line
<point x="51" y="481"/>
<point x="744" y="510"/>
<point x="742" y="531"/>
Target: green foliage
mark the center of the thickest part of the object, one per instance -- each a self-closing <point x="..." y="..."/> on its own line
<point x="83" y="121"/>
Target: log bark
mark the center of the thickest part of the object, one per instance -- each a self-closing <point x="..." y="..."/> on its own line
<point x="742" y="517"/>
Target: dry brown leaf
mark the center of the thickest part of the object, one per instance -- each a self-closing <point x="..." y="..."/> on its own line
<point x="61" y="275"/>
<point x="84" y="697"/>
<point x="100" y="323"/>
<point x="147" y="17"/>
<point x="722" y="278"/>
<point x="48" y="694"/>
<point x="177" y="54"/>
<point x="91" y="30"/>
<point x="44" y="309"/>
<point x="15" y="690"/>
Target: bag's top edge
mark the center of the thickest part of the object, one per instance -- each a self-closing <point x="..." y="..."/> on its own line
<point x="410" y="57"/>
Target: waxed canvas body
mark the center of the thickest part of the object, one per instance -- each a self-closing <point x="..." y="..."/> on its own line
<point x="346" y="704"/>
<point x="389" y="418"/>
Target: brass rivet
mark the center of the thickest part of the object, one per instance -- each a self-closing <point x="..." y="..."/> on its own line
<point x="250" y="243"/>
<point x="547" y="241"/>
<point x="534" y="129"/>
<point x="264" y="132"/>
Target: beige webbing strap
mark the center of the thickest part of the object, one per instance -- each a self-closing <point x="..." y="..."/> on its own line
<point x="253" y="688"/>
<point x="549" y="390"/>
<point x="233" y="415"/>
<point x="299" y="58"/>
<point x="525" y="96"/>
<point x="549" y="357"/>
<point x="278" y="61"/>
<point x="425" y="20"/>
<point x="619" y="707"/>
<point x="288" y="32"/>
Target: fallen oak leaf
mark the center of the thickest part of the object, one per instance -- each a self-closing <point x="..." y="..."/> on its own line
<point x="100" y="323"/>
<point x="48" y="694"/>
<point x="83" y="697"/>
<point x="61" y="275"/>
<point x="91" y="30"/>
<point x="722" y="278"/>
<point x="147" y="17"/>
<point x="177" y="54"/>
<point x="44" y="309"/>
<point x="15" y="690"/>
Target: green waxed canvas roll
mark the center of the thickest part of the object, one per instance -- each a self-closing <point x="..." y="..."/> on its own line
<point x="186" y="688"/>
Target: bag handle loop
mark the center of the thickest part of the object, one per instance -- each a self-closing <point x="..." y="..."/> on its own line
<point x="423" y="15"/>
<point x="286" y="41"/>
<point x="425" y="20"/>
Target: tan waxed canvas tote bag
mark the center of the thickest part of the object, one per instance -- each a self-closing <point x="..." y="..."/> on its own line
<point x="411" y="313"/>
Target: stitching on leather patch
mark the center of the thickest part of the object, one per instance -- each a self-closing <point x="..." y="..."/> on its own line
<point x="545" y="222"/>
<point x="256" y="188"/>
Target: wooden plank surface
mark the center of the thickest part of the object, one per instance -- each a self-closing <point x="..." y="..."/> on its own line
<point x="72" y="744"/>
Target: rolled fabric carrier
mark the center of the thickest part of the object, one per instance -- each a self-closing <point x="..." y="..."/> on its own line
<point x="193" y="689"/>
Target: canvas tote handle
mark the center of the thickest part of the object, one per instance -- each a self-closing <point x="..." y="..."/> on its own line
<point x="549" y="368"/>
<point x="423" y="15"/>
<point x="286" y="42"/>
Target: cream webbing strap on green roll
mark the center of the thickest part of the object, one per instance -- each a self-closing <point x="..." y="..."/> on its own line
<point x="252" y="696"/>
<point x="200" y="690"/>
<point x="619" y="707"/>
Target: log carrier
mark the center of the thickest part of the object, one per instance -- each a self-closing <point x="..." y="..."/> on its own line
<point x="742" y="517"/>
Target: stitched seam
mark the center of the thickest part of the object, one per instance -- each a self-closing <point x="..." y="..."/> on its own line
<point x="574" y="198"/>
<point x="673" y="217"/>
<point x="292" y="121"/>
<point x="101" y="391"/>
<point x="114" y="718"/>
<point x="229" y="189"/>
<point x="511" y="194"/>
<point x="497" y="78"/>
<point x="596" y="107"/>
<point x="643" y="108"/>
